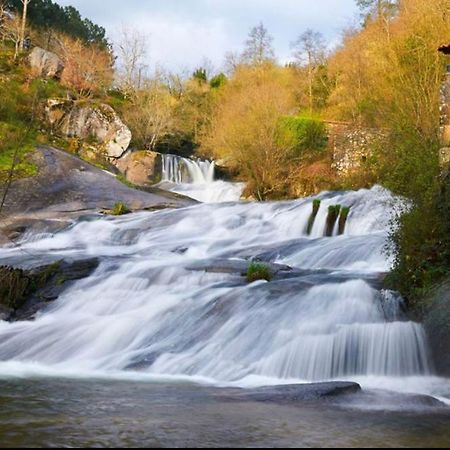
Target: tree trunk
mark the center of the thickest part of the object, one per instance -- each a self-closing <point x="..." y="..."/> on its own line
<point x="24" y="24"/>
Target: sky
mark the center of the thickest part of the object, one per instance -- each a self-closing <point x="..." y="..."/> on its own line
<point x="182" y="33"/>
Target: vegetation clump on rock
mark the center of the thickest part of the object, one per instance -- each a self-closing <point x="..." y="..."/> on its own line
<point x="120" y="209"/>
<point x="258" y="271"/>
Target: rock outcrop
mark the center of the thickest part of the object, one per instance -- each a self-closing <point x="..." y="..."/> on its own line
<point x="295" y="393"/>
<point x="23" y="293"/>
<point x="67" y="188"/>
<point x="97" y="124"/>
<point x="45" y="64"/>
<point x="140" y="167"/>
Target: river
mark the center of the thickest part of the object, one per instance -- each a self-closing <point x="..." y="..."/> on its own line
<point x="146" y="350"/>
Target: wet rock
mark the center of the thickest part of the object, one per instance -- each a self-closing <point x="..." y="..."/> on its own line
<point x="26" y="292"/>
<point x="380" y="400"/>
<point x="45" y="64"/>
<point x="235" y="266"/>
<point x="296" y="393"/>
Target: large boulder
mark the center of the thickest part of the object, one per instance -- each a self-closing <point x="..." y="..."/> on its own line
<point x="141" y="167"/>
<point x="97" y="124"/>
<point x="45" y="64"/>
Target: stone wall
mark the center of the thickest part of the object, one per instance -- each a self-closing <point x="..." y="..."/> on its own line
<point x="351" y="146"/>
<point x="444" y="154"/>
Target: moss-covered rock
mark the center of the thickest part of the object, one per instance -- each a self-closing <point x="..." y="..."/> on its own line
<point x="25" y="292"/>
<point x="343" y="216"/>
<point x="312" y="218"/>
<point x="333" y="214"/>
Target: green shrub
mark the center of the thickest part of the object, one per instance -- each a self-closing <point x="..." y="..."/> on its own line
<point x="306" y="136"/>
<point x="407" y="164"/>
<point x="120" y="209"/>
<point x="218" y="81"/>
<point x="420" y="243"/>
<point x="258" y="271"/>
<point x="16" y="143"/>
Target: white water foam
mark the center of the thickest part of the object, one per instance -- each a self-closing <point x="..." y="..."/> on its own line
<point x="147" y="309"/>
<point x="195" y="178"/>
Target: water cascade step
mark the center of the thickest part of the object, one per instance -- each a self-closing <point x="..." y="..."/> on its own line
<point x="196" y="178"/>
<point x="147" y="308"/>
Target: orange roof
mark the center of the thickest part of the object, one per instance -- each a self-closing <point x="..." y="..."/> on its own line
<point x="445" y="49"/>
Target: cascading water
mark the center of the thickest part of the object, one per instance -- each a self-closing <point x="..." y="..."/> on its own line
<point x="196" y="179"/>
<point x="166" y="299"/>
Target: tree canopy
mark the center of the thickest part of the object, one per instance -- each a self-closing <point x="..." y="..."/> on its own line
<point x="47" y="14"/>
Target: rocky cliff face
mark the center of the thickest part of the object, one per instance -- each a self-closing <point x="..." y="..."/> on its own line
<point x="98" y="124"/>
<point x="45" y="64"/>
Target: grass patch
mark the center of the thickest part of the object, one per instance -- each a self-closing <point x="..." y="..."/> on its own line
<point x="123" y="179"/>
<point x="16" y="141"/>
<point x="258" y="271"/>
<point x="120" y="209"/>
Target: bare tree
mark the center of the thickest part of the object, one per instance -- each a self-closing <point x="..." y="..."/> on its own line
<point x="132" y="48"/>
<point x="11" y="30"/>
<point x="309" y="51"/>
<point x="87" y="68"/>
<point x="3" y="14"/>
<point x="381" y="9"/>
<point x="258" y="46"/>
<point x="150" y="113"/>
<point x="232" y="62"/>
<point x="23" y="27"/>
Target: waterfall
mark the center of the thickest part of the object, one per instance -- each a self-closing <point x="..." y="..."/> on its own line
<point x="183" y="170"/>
<point x="196" y="178"/>
<point x="169" y="299"/>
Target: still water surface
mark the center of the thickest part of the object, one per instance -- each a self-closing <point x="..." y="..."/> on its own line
<point x="106" y="413"/>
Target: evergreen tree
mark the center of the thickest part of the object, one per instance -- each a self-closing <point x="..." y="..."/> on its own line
<point x="47" y="14"/>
